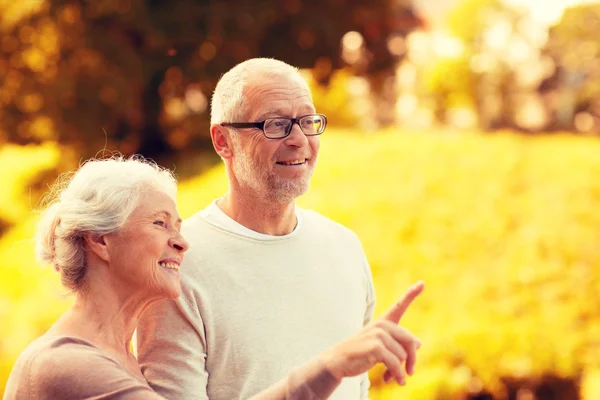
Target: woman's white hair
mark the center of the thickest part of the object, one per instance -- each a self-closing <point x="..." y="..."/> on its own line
<point x="229" y="101"/>
<point x="96" y="199"/>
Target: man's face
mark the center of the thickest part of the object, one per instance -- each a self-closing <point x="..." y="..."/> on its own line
<point x="279" y="169"/>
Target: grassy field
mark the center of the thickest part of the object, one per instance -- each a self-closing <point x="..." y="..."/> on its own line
<point x="504" y="229"/>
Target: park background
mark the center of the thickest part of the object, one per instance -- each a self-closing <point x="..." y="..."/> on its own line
<point x="463" y="149"/>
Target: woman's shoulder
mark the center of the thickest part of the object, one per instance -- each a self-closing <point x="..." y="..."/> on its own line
<point x="66" y="367"/>
<point x="51" y="343"/>
<point x="48" y="352"/>
<point x="49" y="364"/>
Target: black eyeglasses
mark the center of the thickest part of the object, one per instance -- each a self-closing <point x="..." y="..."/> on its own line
<point x="278" y="128"/>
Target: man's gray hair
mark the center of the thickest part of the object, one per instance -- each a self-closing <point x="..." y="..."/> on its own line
<point x="229" y="103"/>
<point x="96" y="199"/>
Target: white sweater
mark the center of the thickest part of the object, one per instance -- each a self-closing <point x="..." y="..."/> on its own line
<point x="255" y="306"/>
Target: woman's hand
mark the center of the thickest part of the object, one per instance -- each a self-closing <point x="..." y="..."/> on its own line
<point x="381" y="341"/>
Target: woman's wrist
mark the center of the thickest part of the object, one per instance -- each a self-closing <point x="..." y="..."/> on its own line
<point x="319" y="377"/>
<point x="312" y="381"/>
<point x="329" y="362"/>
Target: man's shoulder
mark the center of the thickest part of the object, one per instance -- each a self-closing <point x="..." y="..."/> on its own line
<point x="198" y="227"/>
<point x="193" y="221"/>
<point x="314" y="220"/>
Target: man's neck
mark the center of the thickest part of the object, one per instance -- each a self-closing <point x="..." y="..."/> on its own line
<point x="260" y="215"/>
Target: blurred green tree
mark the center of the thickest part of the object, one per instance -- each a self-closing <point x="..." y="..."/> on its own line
<point x="137" y="75"/>
<point x="486" y="74"/>
<point x="573" y="89"/>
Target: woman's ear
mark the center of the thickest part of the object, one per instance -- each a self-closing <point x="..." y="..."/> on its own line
<point x="97" y="244"/>
<point x="221" y="141"/>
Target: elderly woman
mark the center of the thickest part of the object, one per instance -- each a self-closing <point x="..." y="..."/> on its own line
<point x="113" y="235"/>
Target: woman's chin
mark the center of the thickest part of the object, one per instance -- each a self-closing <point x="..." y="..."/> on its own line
<point x="167" y="289"/>
<point x="173" y="290"/>
<point x="171" y="284"/>
<point x="174" y="294"/>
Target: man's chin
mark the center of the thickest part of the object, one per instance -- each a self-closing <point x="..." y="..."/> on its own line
<point x="289" y="191"/>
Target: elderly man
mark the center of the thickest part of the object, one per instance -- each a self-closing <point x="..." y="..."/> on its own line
<point x="266" y="285"/>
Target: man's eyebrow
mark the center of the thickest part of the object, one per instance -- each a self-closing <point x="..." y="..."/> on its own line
<point x="269" y="114"/>
<point x="278" y="113"/>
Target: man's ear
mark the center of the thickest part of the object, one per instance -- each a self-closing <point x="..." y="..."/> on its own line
<point x="221" y="141"/>
<point x="97" y="244"/>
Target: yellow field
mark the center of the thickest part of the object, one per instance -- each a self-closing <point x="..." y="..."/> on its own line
<point x="504" y="229"/>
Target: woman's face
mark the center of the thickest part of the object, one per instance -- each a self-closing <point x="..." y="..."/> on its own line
<point x="145" y="254"/>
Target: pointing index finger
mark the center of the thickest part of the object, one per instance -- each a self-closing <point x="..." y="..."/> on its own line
<point x="396" y="311"/>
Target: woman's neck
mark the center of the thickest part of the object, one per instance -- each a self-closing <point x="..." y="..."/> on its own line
<point x="104" y="317"/>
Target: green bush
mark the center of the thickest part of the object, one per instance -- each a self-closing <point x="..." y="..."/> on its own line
<point x="504" y="229"/>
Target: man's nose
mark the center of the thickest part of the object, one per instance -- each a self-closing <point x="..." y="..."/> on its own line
<point x="296" y="137"/>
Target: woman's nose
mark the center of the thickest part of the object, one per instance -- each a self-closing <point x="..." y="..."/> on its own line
<point x="179" y="243"/>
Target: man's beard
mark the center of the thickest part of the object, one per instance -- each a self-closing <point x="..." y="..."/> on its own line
<point x="264" y="182"/>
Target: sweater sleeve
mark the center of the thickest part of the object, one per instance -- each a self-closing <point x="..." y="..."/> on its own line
<point x="368" y="317"/>
<point x="172" y="351"/>
<point x="311" y="381"/>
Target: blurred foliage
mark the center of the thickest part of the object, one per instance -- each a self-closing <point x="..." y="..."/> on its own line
<point x="137" y="75"/>
<point x="469" y="19"/>
<point x="574" y="87"/>
<point x="23" y="165"/>
<point x="504" y="229"/>
<point x="344" y="100"/>
<point x="508" y="69"/>
<point x="479" y="73"/>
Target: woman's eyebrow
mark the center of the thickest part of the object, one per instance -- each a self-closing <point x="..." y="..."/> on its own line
<point x="168" y="215"/>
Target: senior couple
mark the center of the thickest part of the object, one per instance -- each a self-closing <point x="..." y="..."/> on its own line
<point x="252" y="297"/>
